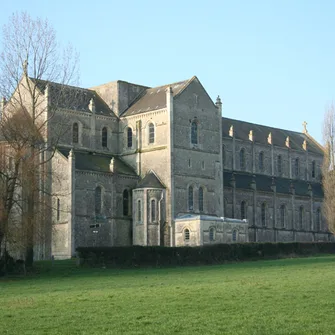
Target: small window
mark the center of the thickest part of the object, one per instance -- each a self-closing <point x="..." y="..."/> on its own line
<point x="153" y="210"/>
<point x="203" y="165"/>
<point x="58" y="209"/>
<point x="139" y="211"/>
<point x="75" y="133"/>
<point x="186" y="234"/>
<point x="190" y="198"/>
<point x="279" y="165"/>
<point x="261" y="161"/>
<point x="201" y="199"/>
<point x="234" y="235"/>
<point x="263" y="214"/>
<point x="242" y="159"/>
<point x="104" y="136"/>
<point x="212" y="234"/>
<point x="313" y="169"/>
<point x="297" y="168"/>
<point x="125" y="202"/>
<point x="98" y="200"/>
<point x="282" y="215"/>
<point x="151" y="133"/>
<point x="243" y="210"/>
<point x="189" y="162"/>
<point x="194" y="132"/>
<point x="129" y="137"/>
<point x="318" y="219"/>
<point x="301" y="217"/>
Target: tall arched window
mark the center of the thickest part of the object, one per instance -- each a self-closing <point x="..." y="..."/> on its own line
<point x="313" y="169"/>
<point x="153" y="210"/>
<point x="151" y="133"/>
<point x="104" y="136"/>
<point x="194" y="132"/>
<point x="282" y="215"/>
<point x="190" y="198"/>
<point x="301" y="217"/>
<point x="98" y="200"/>
<point x="242" y="159"/>
<point x="129" y="137"/>
<point x="139" y="211"/>
<point x="279" y="165"/>
<point x="186" y="234"/>
<point x="261" y="161"/>
<point x="318" y="219"/>
<point x="223" y="156"/>
<point x="297" y="168"/>
<point x="225" y="209"/>
<point x="75" y="133"/>
<point x="243" y="210"/>
<point x="212" y="234"/>
<point x="125" y="202"/>
<point x="234" y="235"/>
<point x="263" y="214"/>
<point x="201" y="199"/>
<point x="58" y="209"/>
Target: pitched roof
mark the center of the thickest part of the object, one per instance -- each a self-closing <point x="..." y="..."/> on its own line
<point x="264" y="183"/>
<point x="154" y="98"/>
<point x="73" y="98"/>
<point x="261" y="133"/>
<point x="88" y="161"/>
<point x="150" y="180"/>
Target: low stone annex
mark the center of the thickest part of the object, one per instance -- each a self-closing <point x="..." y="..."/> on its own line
<point x="161" y="166"/>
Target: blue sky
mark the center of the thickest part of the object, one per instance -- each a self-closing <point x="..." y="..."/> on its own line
<point x="272" y="62"/>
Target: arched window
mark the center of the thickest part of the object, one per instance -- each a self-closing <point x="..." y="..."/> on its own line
<point x="104" y="135"/>
<point x="186" y="234"/>
<point x="242" y="159"/>
<point x="279" y="165"/>
<point x="194" y="132"/>
<point x="313" y="169"/>
<point x="297" y="168"/>
<point x="243" y="210"/>
<point x="98" y="200"/>
<point x="282" y="215"/>
<point x="201" y="199"/>
<point x="234" y="235"/>
<point x="58" y="209"/>
<point x="129" y="137"/>
<point x="318" y="219"/>
<point x="225" y="209"/>
<point x="190" y="198"/>
<point x="212" y="234"/>
<point x="153" y="210"/>
<point x="75" y="133"/>
<point x="151" y="133"/>
<point x="263" y="214"/>
<point x="261" y="161"/>
<point x="125" y="202"/>
<point x="139" y="211"/>
<point x="223" y="156"/>
<point x="301" y="217"/>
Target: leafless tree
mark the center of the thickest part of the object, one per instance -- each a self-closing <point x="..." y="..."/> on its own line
<point x="31" y="63"/>
<point x="328" y="168"/>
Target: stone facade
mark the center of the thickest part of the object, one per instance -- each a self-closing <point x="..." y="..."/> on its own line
<point x="139" y="165"/>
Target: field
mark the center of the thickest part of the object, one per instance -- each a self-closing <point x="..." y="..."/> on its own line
<point x="292" y="296"/>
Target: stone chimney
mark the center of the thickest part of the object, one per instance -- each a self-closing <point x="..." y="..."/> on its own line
<point x="251" y="136"/>
<point x="219" y="104"/>
<point x="91" y="106"/>
<point x="287" y="141"/>
<point x="270" y="138"/>
<point x="112" y="165"/>
<point x="231" y="131"/>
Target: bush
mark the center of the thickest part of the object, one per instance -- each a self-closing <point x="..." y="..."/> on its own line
<point x="156" y="256"/>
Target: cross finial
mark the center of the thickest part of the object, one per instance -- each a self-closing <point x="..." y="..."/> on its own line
<point x="304" y="124"/>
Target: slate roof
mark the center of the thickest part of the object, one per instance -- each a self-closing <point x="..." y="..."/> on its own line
<point x="154" y="98"/>
<point x="97" y="162"/>
<point x="261" y="133"/>
<point x="73" y="98"/>
<point x="263" y="183"/>
<point x="151" y="181"/>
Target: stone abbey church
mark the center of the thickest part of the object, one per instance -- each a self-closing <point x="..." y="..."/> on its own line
<point x="161" y="166"/>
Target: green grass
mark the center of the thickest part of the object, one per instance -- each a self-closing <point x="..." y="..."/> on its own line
<point x="292" y="296"/>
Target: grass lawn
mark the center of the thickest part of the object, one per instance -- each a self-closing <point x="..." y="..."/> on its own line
<point x="292" y="296"/>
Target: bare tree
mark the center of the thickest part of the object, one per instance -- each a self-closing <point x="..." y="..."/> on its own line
<point x="31" y="63"/>
<point x="328" y="168"/>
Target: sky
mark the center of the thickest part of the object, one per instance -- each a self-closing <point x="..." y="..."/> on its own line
<point x="272" y="62"/>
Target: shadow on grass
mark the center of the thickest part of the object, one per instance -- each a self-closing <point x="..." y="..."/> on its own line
<point x="68" y="268"/>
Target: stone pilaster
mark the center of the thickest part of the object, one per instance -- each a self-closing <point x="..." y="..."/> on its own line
<point x="72" y="203"/>
<point x="91" y="107"/>
<point x="233" y="184"/>
<point x="293" y="227"/>
<point x="254" y="206"/>
<point x="274" y="214"/>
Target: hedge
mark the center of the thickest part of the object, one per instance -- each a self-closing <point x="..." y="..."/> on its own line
<point x="156" y="256"/>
